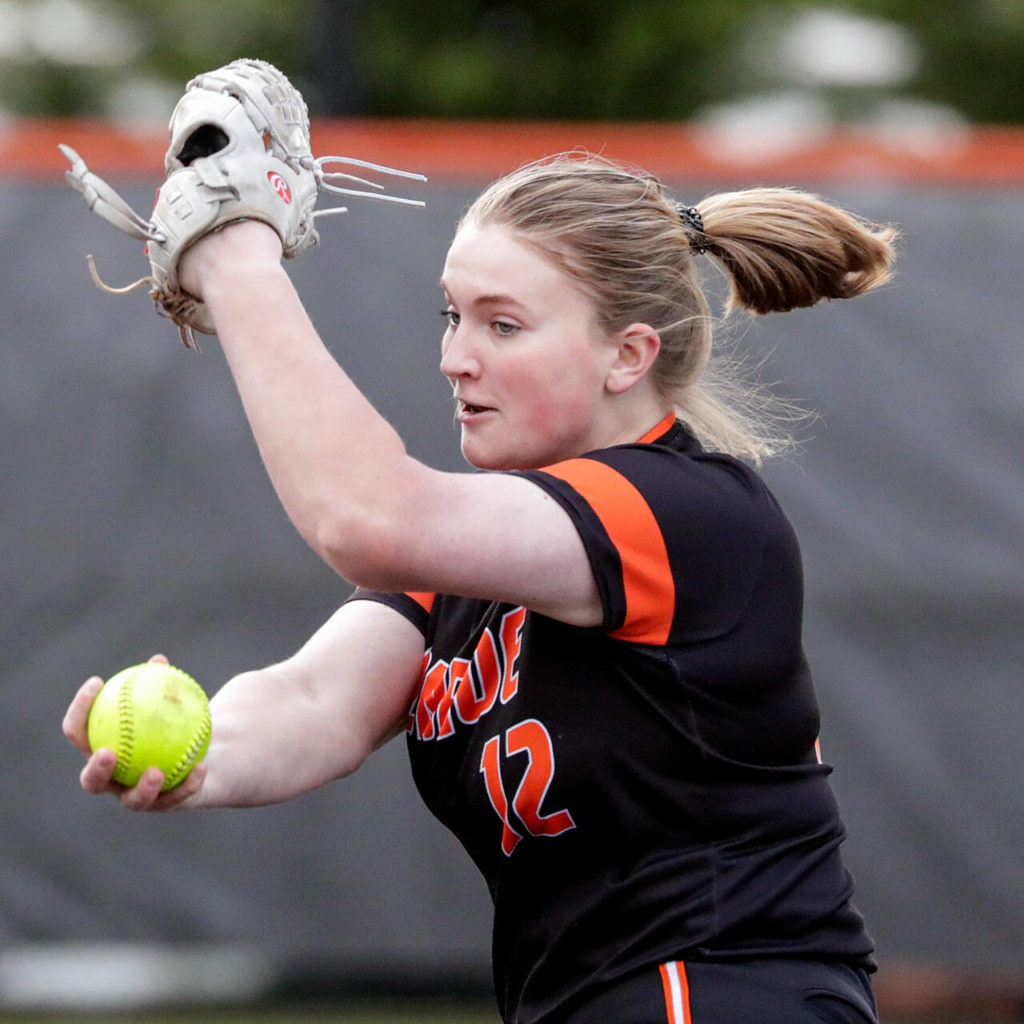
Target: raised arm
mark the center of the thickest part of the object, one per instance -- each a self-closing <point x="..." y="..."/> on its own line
<point x="289" y="728"/>
<point x="379" y="517"/>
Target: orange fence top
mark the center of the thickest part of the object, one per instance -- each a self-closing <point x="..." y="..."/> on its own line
<point x="457" y="151"/>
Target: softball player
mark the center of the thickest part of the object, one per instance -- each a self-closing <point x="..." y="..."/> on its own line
<point x="595" y="651"/>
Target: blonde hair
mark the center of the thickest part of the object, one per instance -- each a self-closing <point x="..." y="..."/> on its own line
<point x="614" y="230"/>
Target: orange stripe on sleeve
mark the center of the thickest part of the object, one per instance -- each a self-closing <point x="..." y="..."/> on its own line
<point x="630" y="523"/>
<point x="425" y="601"/>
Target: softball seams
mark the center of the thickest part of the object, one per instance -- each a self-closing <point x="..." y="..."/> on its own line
<point x="126" y="732"/>
<point x="186" y="762"/>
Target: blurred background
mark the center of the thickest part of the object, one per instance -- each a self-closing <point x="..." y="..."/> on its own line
<point x="957" y="61"/>
<point x="135" y="515"/>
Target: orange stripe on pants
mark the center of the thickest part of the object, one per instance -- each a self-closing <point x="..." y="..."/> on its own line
<point x="677" y="992"/>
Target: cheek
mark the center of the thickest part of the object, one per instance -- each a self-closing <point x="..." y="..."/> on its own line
<point x="559" y="413"/>
<point x="552" y="396"/>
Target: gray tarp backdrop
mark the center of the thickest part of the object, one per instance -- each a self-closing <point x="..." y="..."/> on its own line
<point x="135" y="517"/>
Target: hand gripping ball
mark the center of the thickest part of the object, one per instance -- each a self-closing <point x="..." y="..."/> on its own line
<point x="151" y="715"/>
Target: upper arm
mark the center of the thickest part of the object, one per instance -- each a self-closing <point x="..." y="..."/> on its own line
<point x="362" y="668"/>
<point x="489" y="535"/>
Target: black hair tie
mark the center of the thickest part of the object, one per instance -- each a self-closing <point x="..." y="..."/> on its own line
<point x="694" y="222"/>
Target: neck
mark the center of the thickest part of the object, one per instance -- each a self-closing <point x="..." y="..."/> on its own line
<point x="640" y="419"/>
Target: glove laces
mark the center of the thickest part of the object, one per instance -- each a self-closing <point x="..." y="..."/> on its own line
<point x="326" y="185"/>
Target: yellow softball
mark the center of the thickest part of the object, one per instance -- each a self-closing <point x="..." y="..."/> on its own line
<point x="151" y="715"/>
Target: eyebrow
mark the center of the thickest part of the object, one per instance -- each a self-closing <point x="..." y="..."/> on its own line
<point x="496" y="299"/>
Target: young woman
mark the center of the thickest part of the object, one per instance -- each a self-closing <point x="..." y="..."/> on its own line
<point x="594" y="651"/>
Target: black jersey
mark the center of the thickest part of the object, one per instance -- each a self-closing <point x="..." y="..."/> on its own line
<point x="648" y="790"/>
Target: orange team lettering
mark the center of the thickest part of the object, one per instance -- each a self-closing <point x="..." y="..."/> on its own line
<point x="469" y="688"/>
<point x="532" y="738"/>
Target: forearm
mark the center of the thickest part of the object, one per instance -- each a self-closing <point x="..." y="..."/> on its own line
<point x="272" y="740"/>
<point x="333" y="459"/>
<point x="283" y="730"/>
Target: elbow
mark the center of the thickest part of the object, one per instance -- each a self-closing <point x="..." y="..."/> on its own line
<point x="375" y="536"/>
<point x="356" y="752"/>
<point x="364" y="550"/>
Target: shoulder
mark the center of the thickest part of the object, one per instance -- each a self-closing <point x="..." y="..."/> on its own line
<point x="671" y="483"/>
<point x="676" y="536"/>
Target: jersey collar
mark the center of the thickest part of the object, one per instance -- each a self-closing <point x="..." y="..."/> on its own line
<point x="673" y="433"/>
<point x="659" y="430"/>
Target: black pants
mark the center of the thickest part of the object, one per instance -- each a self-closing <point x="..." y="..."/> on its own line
<point x="750" y="992"/>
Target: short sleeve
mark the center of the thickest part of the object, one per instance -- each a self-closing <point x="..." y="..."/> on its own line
<point x="675" y="542"/>
<point x="415" y="607"/>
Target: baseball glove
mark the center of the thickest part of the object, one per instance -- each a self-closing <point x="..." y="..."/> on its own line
<point x="240" y="150"/>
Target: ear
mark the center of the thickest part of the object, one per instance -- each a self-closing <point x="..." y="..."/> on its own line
<point x="638" y="347"/>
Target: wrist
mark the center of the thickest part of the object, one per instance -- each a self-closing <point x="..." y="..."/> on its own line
<point x="231" y="254"/>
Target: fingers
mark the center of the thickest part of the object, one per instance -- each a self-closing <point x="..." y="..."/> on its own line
<point x="97" y="775"/>
<point x="96" y="778"/>
<point x="182" y="793"/>
<point x="76" y="718"/>
<point x="145" y="793"/>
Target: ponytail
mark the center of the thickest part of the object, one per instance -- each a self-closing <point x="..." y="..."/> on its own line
<point x="784" y="249"/>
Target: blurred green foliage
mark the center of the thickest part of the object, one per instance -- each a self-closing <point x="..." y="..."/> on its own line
<point x="660" y="59"/>
<point x="165" y="40"/>
<point x="559" y="59"/>
<point x="606" y="59"/>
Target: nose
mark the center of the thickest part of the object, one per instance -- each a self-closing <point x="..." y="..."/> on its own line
<point x="458" y="354"/>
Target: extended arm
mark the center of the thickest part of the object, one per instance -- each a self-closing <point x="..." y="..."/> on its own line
<point x="289" y="728"/>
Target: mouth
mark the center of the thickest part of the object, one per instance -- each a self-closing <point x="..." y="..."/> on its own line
<point x="465" y="411"/>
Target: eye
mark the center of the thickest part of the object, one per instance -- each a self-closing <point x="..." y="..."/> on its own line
<point x="451" y="316"/>
<point x="504" y="328"/>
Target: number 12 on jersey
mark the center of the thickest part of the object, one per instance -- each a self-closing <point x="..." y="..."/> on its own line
<point x="530" y="738"/>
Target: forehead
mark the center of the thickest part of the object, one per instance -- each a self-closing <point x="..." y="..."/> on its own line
<point x="494" y="260"/>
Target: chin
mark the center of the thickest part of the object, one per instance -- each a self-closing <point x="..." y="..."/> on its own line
<point x="480" y="460"/>
<point x="480" y="457"/>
